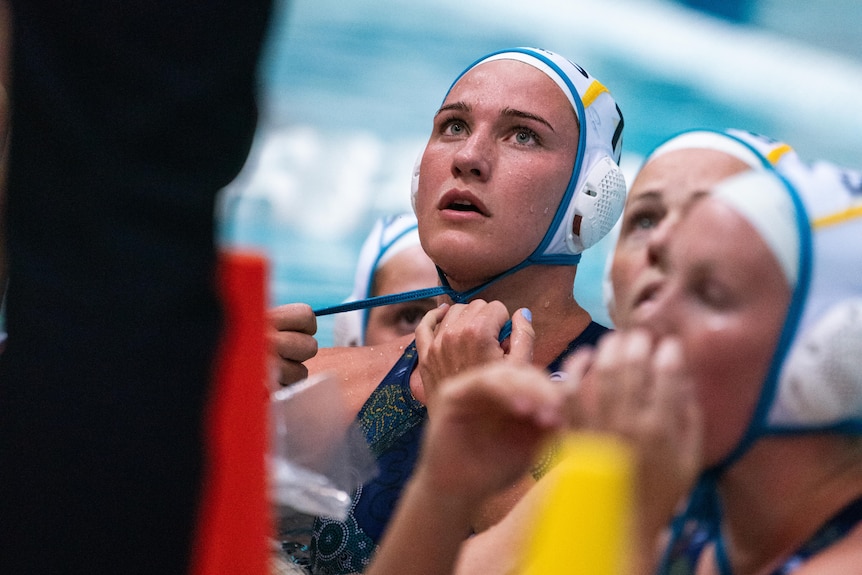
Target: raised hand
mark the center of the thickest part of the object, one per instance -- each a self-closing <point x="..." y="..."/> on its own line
<point x="452" y="339"/>
<point x="640" y="390"/>
<point x="292" y="340"/>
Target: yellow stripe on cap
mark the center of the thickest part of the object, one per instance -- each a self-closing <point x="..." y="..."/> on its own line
<point x="775" y="155"/>
<point x="593" y="92"/>
<point x="837" y="218"/>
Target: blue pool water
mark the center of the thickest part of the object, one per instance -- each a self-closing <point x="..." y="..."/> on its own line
<point x="349" y="89"/>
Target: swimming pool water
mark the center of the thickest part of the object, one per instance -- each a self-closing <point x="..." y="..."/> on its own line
<point x="349" y="89"/>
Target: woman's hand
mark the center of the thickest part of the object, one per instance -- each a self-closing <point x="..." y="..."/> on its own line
<point x="489" y="425"/>
<point x="453" y="339"/>
<point x="292" y="340"/>
<point x="640" y="390"/>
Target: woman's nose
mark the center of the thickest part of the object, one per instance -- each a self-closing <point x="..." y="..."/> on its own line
<point x="657" y="242"/>
<point x="473" y="158"/>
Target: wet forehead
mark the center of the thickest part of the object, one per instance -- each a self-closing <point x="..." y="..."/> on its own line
<point x="510" y="83"/>
<point x="676" y="176"/>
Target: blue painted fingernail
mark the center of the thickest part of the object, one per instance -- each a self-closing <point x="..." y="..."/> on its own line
<point x="527" y="314"/>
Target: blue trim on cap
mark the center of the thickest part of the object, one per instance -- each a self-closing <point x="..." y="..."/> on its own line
<point x="381" y="250"/>
<point x="763" y="159"/>
<point x="579" y="158"/>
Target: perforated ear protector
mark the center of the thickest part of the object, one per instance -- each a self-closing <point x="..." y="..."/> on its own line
<point x="821" y="382"/>
<point x="596" y="205"/>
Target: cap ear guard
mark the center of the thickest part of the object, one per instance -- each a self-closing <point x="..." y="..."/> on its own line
<point x="596" y="205"/>
<point x="821" y="383"/>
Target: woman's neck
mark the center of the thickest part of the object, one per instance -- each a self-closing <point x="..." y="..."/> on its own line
<point x="547" y="292"/>
<point x="780" y="493"/>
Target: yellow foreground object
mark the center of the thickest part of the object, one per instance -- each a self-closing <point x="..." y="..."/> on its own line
<point x="584" y="525"/>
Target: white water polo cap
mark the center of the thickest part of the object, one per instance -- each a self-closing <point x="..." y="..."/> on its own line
<point x="595" y="194"/>
<point x="820" y="382"/>
<point x="755" y="150"/>
<point x="815" y="380"/>
<point x="389" y="236"/>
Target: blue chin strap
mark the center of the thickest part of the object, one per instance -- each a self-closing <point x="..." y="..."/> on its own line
<point x="445" y="289"/>
<point x="703" y="510"/>
<point x="425" y="293"/>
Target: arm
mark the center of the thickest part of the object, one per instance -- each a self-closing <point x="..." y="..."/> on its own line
<point x="451" y="340"/>
<point x="635" y="389"/>
<point x="488" y="427"/>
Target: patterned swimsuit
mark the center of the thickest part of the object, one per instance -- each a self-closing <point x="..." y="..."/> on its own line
<point x="393" y="421"/>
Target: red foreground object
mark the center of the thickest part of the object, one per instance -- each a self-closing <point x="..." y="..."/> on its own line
<point x="235" y="523"/>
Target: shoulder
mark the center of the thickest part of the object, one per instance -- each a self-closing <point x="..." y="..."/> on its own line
<point x="359" y="369"/>
<point x="843" y="557"/>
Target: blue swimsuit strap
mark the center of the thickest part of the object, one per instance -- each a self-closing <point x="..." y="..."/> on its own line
<point x="831" y="532"/>
<point x="835" y="529"/>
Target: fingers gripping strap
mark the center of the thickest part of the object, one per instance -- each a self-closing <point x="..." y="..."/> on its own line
<point x="402" y="297"/>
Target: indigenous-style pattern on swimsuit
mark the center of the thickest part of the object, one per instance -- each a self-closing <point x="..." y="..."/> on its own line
<point x="393" y="421"/>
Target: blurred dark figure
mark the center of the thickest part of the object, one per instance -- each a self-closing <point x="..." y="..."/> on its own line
<point x="127" y="118"/>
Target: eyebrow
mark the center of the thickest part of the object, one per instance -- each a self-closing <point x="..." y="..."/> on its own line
<point x="510" y="112"/>
<point x="458" y="106"/>
<point x="527" y="116"/>
<point x="651" y="195"/>
<point x="654" y="196"/>
<point x="695" y="198"/>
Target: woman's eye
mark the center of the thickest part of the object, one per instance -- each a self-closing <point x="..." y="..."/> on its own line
<point x="411" y="316"/>
<point x="645" y="223"/>
<point x="454" y="128"/>
<point x="643" y="220"/>
<point x="711" y="293"/>
<point x="524" y="136"/>
<point x="408" y="317"/>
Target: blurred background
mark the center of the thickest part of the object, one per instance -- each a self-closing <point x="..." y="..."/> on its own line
<point x="350" y="88"/>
